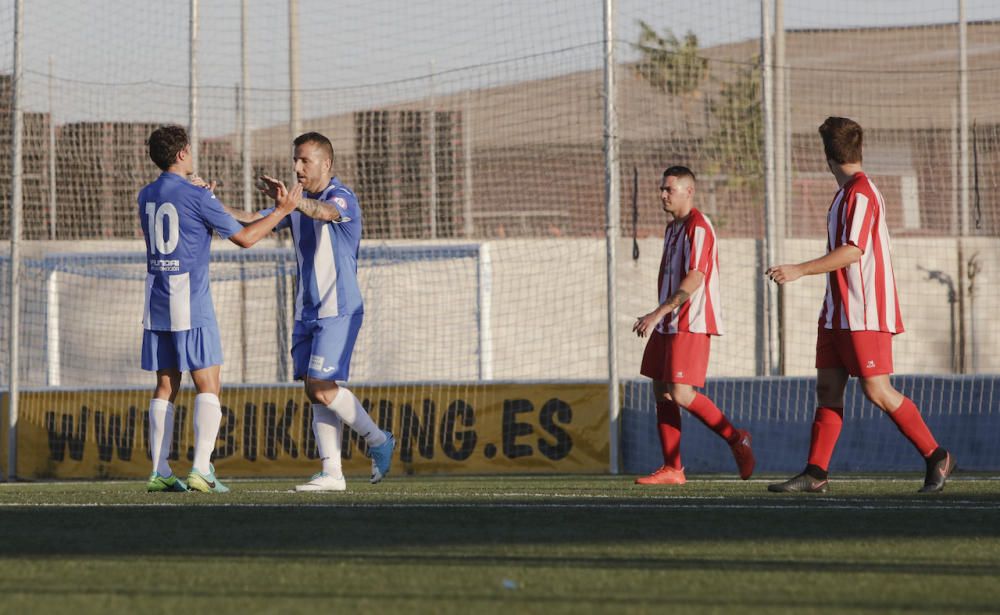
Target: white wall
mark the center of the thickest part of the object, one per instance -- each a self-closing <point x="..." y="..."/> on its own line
<point x="548" y="314"/>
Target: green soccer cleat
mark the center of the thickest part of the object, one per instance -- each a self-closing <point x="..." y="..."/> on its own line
<point x="164" y="483"/>
<point x="206" y="483"/>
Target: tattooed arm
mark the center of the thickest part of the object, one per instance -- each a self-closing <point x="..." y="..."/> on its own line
<point x="312" y="208"/>
<point x="318" y="210"/>
<point x="690" y="283"/>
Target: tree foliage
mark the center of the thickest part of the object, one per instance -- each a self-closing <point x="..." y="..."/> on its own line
<point x="668" y="64"/>
<point x="736" y="139"/>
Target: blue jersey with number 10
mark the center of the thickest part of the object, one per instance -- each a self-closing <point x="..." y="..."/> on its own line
<point x="178" y="220"/>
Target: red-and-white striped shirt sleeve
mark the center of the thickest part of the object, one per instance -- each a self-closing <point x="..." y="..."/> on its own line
<point x="861" y="296"/>
<point x="690" y="245"/>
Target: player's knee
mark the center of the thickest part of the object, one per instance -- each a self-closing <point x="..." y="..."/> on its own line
<point x="828" y="395"/>
<point x="320" y="392"/>
<point x="661" y="391"/>
<point x="886" y="398"/>
<point x="165" y="392"/>
<point x="208" y="385"/>
<point x="683" y="394"/>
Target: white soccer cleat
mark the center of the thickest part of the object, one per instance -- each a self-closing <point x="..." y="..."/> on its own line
<point x="321" y="481"/>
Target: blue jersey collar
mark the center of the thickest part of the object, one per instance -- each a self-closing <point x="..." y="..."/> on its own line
<point x="334" y="181"/>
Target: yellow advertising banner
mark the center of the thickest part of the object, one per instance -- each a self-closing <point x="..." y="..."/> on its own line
<point x="267" y="431"/>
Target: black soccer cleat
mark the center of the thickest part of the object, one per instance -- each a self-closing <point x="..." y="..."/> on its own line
<point x="801" y="483"/>
<point x="938" y="473"/>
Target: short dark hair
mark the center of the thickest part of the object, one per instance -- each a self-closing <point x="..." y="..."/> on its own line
<point x="165" y="143"/>
<point x="841" y="139"/>
<point x="315" y="137"/>
<point x="679" y="172"/>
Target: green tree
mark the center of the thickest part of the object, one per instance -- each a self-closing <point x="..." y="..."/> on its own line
<point x="736" y="137"/>
<point x="668" y="64"/>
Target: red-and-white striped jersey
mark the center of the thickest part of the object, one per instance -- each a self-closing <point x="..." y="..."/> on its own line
<point x="690" y="244"/>
<point x="861" y="296"/>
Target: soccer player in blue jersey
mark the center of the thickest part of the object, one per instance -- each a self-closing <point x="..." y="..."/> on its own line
<point x="326" y="229"/>
<point x="178" y="218"/>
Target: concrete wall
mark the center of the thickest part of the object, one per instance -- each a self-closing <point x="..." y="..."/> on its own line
<point x="548" y="313"/>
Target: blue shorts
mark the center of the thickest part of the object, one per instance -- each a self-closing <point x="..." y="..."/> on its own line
<point x="322" y="348"/>
<point x="184" y="351"/>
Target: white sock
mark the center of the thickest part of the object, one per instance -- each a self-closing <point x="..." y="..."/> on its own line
<point x="207" y="418"/>
<point x="161" y="434"/>
<point x="328" y="430"/>
<point x="350" y="410"/>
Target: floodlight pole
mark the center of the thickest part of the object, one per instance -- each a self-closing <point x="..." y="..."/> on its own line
<point x="16" y="203"/>
<point x="52" y="160"/>
<point x="432" y="153"/>
<point x="963" y="117"/>
<point x="193" y="83"/>
<point x="771" y="351"/>
<point x="963" y="192"/>
<point x="245" y="112"/>
<point x="612" y="182"/>
<point x="778" y="216"/>
<point x="247" y="181"/>
<point x="294" y="120"/>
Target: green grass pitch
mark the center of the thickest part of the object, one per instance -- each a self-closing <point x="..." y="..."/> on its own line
<point x="539" y="544"/>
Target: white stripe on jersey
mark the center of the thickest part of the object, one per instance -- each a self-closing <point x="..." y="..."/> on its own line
<point x="677" y="257"/>
<point x="867" y="268"/>
<point x="862" y="295"/>
<point x="325" y="266"/>
<point x="856" y="290"/>
<point x="180" y="301"/>
<point x="853" y="273"/>
<point x="325" y="270"/>
<point x="831" y="231"/>
<point x="147" y="319"/>
<point x="696" y="317"/>
<point x="863" y="292"/>
<point x="890" y="276"/>
<point x="860" y="212"/>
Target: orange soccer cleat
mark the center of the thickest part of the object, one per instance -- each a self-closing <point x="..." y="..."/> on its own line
<point x="665" y="475"/>
<point x="743" y="454"/>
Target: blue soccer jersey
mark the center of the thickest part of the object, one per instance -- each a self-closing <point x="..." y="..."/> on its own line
<point x="178" y="220"/>
<point x="327" y="254"/>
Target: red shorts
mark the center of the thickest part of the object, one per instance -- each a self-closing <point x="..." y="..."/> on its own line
<point x="681" y="358"/>
<point x="861" y="353"/>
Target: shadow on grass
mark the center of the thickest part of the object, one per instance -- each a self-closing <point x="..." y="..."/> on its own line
<point x="531" y="535"/>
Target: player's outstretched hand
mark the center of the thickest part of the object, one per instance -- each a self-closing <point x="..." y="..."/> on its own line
<point x="287" y="199"/>
<point x="645" y="324"/>
<point x="269" y="186"/>
<point x="201" y="183"/>
<point x="782" y="274"/>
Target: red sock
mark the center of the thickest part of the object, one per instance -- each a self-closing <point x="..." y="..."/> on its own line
<point x="668" y="421"/>
<point x="825" y="431"/>
<point x="907" y="418"/>
<point x="709" y="414"/>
